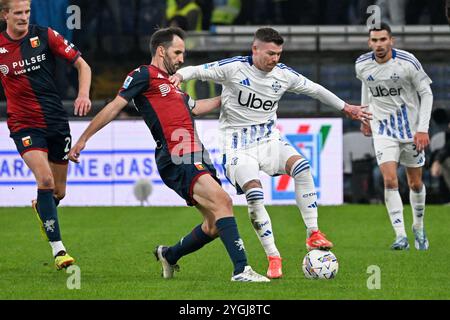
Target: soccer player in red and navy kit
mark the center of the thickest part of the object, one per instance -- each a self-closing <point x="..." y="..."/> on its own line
<point x="182" y="162"/>
<point x="36" y="117"/>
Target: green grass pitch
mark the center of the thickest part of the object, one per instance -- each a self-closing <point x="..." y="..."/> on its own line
<point x="113" y="248"/>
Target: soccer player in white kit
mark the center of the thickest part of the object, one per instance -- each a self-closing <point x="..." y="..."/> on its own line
<point x="250" y="141"/>
<point x="392" y="81"/>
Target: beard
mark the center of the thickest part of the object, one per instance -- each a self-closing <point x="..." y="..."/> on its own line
<point x="170" y="67"/>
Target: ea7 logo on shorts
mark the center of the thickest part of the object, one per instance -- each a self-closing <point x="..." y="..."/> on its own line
<point x="26" y="141"/>
<point x="4" y="69"/>
<point x="164" y="89"/>
<point x="3" y="50"/>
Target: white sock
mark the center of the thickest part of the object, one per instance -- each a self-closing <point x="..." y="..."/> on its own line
<point x="305" y="194"/>
<point x="261" y="221"/>
<point x="57" y="246"/>
<point x="394" y="207"/>
<point x="417" y="200"/>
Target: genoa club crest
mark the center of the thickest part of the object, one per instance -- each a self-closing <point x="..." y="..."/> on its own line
<point x="26" y="141"/>
<point x="199" y="166"/>
<point x="35" y="42"/>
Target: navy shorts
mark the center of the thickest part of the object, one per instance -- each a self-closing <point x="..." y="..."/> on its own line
<point x="56" y="142"/>
<point x="181" y="177"/>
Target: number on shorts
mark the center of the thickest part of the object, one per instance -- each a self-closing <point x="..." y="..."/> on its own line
<point x="68" y="140"/>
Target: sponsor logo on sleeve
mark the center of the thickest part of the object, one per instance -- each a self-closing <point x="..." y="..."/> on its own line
<point x="127" y="82"/>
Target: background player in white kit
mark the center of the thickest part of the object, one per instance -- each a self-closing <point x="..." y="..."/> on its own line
<point x="250" y="141"/>
<point x="391" y="80"/>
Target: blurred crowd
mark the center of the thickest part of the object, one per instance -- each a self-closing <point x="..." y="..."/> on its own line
<point x="119" y="30"/>
<point x="118" y="27"/>
<point x="138" y="16"/>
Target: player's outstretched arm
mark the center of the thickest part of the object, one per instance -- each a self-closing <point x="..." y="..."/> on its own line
<point x="109" y="112"/>
<point x="205" y="106"/>
<point x="83" y="104"/>
<point x="302" y="85"/>
<point x="358" y="113"/>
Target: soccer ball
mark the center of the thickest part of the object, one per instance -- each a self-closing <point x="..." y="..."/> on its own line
<point x="320" y="264"/>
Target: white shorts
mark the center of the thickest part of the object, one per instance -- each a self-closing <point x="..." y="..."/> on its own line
<point x="243" y="165"/>
<point x="404" y="153"/>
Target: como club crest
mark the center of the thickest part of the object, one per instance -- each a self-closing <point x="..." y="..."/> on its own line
<point x="395" y="77"/>
<point x="276" y="86"/>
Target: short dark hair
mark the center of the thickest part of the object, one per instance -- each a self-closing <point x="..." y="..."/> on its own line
<point x="164" y="37"/>
<point x="269" y="35"/>
<point x="383" y="26"/>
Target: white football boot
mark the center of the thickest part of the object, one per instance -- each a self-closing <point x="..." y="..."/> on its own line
<point x="248" y="275"/>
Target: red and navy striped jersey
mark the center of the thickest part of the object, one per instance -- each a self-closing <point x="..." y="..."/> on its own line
<point x="164" y="108"/>
<point x="27" y="74"/>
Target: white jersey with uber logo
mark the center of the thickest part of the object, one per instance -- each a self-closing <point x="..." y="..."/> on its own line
<point x="391" y="91"/>
<point x="250" y="97"/>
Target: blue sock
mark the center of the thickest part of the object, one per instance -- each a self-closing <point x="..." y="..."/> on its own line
<point x="49" y="216"/>
<point x="229" y="235"/>
<point x="56" y="201"/>
<point x="190" y="243"/>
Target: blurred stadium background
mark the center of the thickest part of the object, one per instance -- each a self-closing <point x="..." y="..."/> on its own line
<point x="323" y="39"/>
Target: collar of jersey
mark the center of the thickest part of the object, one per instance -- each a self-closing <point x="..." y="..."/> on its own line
<point x="6" y="35"/>
<point x="159" y="70"/>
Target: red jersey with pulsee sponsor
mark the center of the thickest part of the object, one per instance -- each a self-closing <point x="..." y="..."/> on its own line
<point x="27" y="74"/>
<point x="164" y="108"/>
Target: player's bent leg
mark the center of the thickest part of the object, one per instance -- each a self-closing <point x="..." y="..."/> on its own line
<point x="210" y="196"/>
<point x="246" y="175"/>
<point x="394" y="204"/>
<point x="417" y="197"/>
<point x="40" y="223"/>
<point x="262" y="225"/>
<point x="60" y="178"/>
<point x="45" y="205"/>
<point x="195" y="240"/>
<point x="306" y="198"/>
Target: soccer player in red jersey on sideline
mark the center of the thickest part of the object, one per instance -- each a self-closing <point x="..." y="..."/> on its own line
<point x="37" y="120"/>
<point x="183" y="164"/>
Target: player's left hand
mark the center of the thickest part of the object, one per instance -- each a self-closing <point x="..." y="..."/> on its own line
<point x="358" y="113"/>
<point x="74" y="153"/>
<point x="176" y="79"/>
<point x="82" y="106"/>
<point x="421" y="140"/>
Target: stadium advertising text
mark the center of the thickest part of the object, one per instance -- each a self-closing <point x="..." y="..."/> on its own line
<point x="123" y="153"/>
